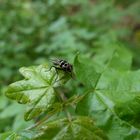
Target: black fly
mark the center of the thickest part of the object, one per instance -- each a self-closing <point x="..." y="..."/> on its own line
<point x="63" y="65"/>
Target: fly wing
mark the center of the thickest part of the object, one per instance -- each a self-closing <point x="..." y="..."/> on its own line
<point x="55" y="61"/>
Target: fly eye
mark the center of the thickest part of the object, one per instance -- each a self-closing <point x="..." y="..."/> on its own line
<point x="65" y="64"/>
<point x="62" y="63"/>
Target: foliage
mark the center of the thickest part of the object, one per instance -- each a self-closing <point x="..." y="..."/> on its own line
<point x="37" y="89"/>
<point x="106" y="89"/>
<point x="114" y="101"/>
<point x="111" y="99"/>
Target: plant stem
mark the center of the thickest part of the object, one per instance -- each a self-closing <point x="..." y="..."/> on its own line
<point x="40" y="122"/>
<point x="63" y="98"/>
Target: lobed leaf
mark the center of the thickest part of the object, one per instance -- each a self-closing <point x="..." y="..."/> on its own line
<point x="79" y="128"/>
<point x="114" y="101"/>
<point x="37" y="89"/>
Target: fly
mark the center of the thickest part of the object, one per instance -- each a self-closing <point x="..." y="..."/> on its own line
<point x="63" y="65"/>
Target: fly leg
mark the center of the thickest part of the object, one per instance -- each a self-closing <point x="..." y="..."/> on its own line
<point x="69" y="73"/>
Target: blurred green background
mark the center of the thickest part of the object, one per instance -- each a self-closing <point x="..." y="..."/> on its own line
<point x="32" y="31"/>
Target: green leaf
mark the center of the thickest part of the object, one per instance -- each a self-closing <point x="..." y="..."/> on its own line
<point x="3" y="102"/>
<point x="115" y="104"/>
<point x="16" y="109"/>
<point x="79" y="128"/>
<point x="19" y="123"/>
<point x="121" y="58"/>
<point x="115" y="56"/>
<point x="37" y="89"/>
<point x="85" y="69"/>
<point x="14" y="136"/>
<point x="89" y="69"/>
<point x="9" y="136"/>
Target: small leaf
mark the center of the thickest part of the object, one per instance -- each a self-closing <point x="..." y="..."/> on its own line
<point x="80" y="128"/>
<point x="37" y="89"/>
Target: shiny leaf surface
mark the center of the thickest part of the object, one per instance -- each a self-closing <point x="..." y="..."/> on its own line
<point x="37" y="89"/>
